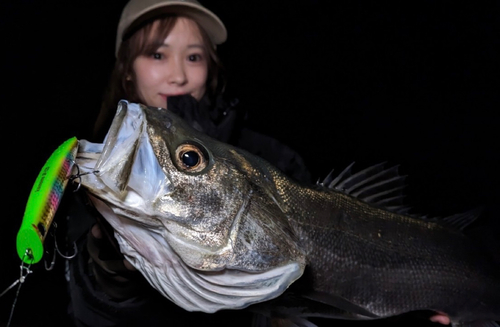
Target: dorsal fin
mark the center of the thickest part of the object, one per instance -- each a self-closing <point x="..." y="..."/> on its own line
<point x="375" y="185"/>
<point x="464" y="219"/>
<point x="384" y="187"/>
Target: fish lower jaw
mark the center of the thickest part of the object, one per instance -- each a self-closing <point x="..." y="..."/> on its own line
<point x="193" y="289"/>
<point x="210" y="291"/>
<point x="200" y="290"/>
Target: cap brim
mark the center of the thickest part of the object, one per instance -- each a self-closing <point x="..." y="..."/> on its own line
<point x="212" y="25"/>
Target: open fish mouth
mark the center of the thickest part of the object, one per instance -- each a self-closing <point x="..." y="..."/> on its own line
<point x="204" y="252"/>
<point x="146" y="248"/>
<point x="191" y="289"/>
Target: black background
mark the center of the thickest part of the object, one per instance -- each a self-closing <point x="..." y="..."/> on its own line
<point x="413" y="84"/>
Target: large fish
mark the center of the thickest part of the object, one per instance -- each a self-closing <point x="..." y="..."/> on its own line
<point x="213" y="227"/>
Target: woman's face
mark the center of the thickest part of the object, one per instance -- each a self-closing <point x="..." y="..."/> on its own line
<point x="179" y="66"/>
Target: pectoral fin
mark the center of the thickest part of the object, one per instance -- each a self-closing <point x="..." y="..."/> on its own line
<point x="351" y="309"/>
<point x="292" y="305"/>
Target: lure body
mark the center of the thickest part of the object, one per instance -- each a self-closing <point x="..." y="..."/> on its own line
<point x="44" y="200"/>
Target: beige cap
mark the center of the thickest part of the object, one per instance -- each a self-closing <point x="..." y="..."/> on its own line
<point x="137" y="11"/>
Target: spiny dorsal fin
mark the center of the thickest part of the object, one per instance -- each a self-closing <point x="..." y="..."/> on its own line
<point x="384" y="187"/>
<point x="374" y="184"/>
<point x="462" y="220"/>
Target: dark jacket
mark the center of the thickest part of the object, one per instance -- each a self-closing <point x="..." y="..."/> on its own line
<point x="102" y="291"/>
<point x="225" y="122"/>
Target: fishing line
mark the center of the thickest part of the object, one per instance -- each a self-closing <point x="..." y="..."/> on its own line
<point x="23" y="273"/>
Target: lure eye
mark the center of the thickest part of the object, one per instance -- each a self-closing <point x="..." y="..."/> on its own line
<point x="191" y="158"/>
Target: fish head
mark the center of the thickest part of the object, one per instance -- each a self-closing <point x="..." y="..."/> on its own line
<point x="200" y="219"/>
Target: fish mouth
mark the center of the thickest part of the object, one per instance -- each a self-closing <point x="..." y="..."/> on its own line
<point x="192" y="289"/>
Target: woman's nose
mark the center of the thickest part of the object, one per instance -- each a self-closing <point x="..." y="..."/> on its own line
<point x="177" y="74"/>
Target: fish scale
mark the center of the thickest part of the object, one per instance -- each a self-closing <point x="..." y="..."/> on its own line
<point x="377" y="251"/>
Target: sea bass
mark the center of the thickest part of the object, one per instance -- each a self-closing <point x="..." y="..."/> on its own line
<point x="213" y="227"/>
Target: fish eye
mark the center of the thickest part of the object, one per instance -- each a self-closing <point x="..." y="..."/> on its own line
<point x="191" y="158"/>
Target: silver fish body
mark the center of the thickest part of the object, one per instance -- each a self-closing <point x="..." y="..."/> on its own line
<point x="213" y="227"/>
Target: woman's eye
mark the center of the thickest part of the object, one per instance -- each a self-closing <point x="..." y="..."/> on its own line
<point x="194" y="57"/>
<point x="157" y="55"/>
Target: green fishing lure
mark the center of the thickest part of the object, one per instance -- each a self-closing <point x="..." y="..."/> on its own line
<point x="44" y="200"/>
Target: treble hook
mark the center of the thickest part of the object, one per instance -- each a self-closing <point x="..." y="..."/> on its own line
<point x="76" y="176"/>
<point x="52" y="263"/>
<point x="79" y="175"/>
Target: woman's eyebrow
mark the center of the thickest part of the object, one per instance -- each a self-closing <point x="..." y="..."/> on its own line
<point x="195" y="45"/>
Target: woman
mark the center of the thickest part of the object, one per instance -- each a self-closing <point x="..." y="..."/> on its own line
<point x="165" y="52"/>
<point x="142" y="67"/>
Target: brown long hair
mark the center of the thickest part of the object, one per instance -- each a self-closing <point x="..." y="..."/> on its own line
<point x="144" y="40"/>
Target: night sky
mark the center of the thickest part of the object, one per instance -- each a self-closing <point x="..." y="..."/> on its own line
<point x="413" y="84"/>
